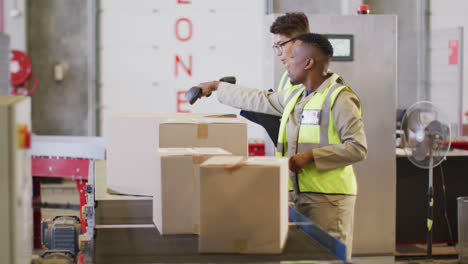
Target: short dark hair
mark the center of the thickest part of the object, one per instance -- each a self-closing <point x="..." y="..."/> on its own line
<point x="290" y="24"/>
<point x="318" y="41"/>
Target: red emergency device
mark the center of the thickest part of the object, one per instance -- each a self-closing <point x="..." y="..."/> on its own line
<point x="21" y="72"/>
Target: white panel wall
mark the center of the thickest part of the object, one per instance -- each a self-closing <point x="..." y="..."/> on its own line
<point x="14" y="20"/>
<point x="445" y="76"/>
<point x="452" y="14"/>
<point x="138" y="47"/>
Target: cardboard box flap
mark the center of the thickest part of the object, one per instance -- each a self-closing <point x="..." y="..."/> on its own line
<point x="223" y="161"/>
<point x="211" y="151"/>
<point x="204" y="120"/>
<point x="175" y="151"/>
<point x="169" y="115"/>
<point x="191" y="151"/>
<point x="211" y="120"/>
<point x="266" y="161"/>
<point x="237" y="161"/>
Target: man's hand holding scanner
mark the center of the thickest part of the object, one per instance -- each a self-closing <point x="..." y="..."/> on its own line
<point x="208" y="87"/>
<point x="205" y="89"/>
<point x="301" y="161"/>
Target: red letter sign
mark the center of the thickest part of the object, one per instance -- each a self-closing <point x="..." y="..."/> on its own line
<point x="453" y="52"/>
<point x="180" y="101"/>
<point x="189" y="24"/>
<point x="187" y="35"/>
<point x="187" y="69"/>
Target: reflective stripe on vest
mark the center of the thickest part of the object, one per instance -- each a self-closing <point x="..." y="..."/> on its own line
<point x="290" y="100"/>
<point x="285" y="84"/>
<point x="318" y="133"/>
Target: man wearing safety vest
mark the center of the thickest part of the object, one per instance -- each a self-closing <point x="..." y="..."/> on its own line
<point x="284" y="28"/>
<point x="322" y="132"/>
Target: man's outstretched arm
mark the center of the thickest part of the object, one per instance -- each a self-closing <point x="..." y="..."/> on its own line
<point x="246" y="98"/>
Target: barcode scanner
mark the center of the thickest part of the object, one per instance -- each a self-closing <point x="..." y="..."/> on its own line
<point x="195" y="92"/>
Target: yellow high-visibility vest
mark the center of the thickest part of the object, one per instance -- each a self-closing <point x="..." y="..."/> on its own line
<point x="317" y="129"/>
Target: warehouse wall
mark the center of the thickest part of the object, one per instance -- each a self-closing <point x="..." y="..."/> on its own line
<point x="61" y="117"/>
<point x="410" y="87"/>
<point x="14" y="19"/>
<point x="142" y="48"/>
<point x="446" y="16"/>
<point x="57" y="33"/>
<point x="342" y="7"/>
<point x="437" y="82"/>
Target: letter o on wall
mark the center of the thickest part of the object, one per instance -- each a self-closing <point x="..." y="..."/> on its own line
<point x="188" y="24"/>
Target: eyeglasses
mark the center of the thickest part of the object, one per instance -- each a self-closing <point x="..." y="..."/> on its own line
<point x="279" y="46"/>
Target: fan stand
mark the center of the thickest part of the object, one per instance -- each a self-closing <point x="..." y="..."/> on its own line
<point x="422" y="128"/>
<point x="430" y="207"/>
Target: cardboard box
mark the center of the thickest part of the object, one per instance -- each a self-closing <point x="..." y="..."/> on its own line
<point x="243" y="205"/>
<point x="176" y="200"/>
<point x="132" y="138"/>
<point x="226" y="133"/>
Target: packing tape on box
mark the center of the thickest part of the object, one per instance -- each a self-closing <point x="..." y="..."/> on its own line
<point x="232" y="167"/>
<point x="202" y="131"/>
<point x="197" y="159"/>
<point x="240" y="245"/>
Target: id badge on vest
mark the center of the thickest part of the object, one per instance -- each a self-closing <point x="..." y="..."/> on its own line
<point x="310" y="117"/>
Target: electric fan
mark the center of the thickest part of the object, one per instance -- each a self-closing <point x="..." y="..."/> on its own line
<point x="426" y="140"/>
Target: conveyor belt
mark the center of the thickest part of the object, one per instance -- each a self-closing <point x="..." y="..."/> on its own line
<point x="143" y="244"/>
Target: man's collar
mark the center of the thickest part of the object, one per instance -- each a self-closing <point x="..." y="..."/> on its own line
<point x="324" y="85"/>
<point x="327" y="82"/>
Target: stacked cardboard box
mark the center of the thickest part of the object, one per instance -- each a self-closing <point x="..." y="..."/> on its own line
<point x="243" y="205"/>
<point x="227" y="133"/>
<point x="133" y="138"/>
<point x="176" y="200"/>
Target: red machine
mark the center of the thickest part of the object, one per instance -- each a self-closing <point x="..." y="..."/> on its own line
<point x="21" y="73"/>
<point x="257" y="149"/>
